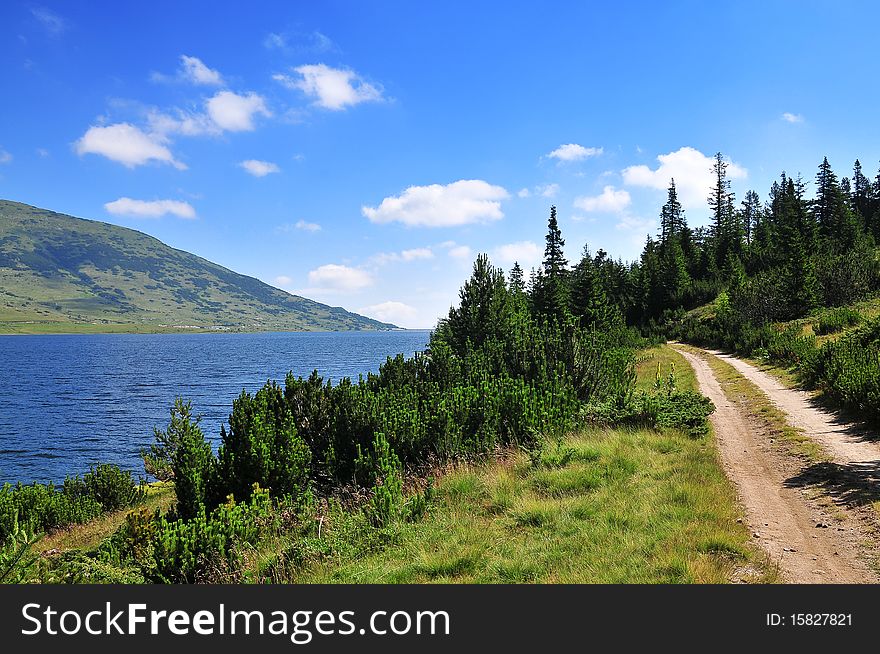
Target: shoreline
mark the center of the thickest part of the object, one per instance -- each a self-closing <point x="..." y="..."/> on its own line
<point x="150" y="330"/>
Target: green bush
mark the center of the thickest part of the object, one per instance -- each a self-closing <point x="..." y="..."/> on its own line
<point x="207" y="547"/>
<point x="263" y="448"/>
<point x="386" y="502"/>
<point x="835" y="320"/>
<point x="685" y="410"/>
<point x="43" y="507"/>
<point x="16" y="559"/>
<point x="108" y="485"/>
<point x="848" y="370"/>
<point x="182" y="454"/>
<point x="666" y="408"/>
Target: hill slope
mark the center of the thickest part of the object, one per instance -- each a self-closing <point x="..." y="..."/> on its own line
<point x="60" y="273"/>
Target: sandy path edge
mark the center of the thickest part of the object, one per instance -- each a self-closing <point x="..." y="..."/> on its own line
<point x="843" y="441"/>
<point x="780" y="516"/>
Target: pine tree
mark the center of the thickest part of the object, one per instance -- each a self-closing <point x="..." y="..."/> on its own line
<point x="750" y="215"/>
<point x="517" y="283"/>
<point x="674" y="278"/>
<point x="555" y="263"/>
<point x="589" y="302"/>
<point x="800" y="286"/>
<point x="725" y="235"/>
<point x="484" y="309"/>
<point x="861" y="195"/>
<point x="550" y="298"/>
<point x="874" y="207"/>
<point x="672" y="221"/>
<point x="825" y="206"/>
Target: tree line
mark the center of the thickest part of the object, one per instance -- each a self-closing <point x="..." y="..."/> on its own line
<point x="776" y="259"/>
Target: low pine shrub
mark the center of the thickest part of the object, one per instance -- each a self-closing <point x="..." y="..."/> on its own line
<point x="207" y="547"/>
<point x="40" y="508"/>
<point x="182" y="454"/>
<point x="836" y="320"/>
<point x="262" y="448"/>
<point x="108" y="485"/>
<point x="685" y="410"/>
<point x="386" y="502"/>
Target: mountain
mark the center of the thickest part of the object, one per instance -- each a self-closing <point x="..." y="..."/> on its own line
<point x="60" y="273"/>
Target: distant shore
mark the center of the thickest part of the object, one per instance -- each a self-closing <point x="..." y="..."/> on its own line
<point x="61" y="328"/>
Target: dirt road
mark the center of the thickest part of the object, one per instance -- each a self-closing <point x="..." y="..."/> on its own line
<point x="845" y="443"/>
<point x="807" y="546"/>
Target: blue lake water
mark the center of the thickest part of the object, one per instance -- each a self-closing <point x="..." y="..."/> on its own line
<point x="69" y="402"/>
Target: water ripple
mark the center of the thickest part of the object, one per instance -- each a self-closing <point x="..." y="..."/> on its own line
<point x="71" y="401"/>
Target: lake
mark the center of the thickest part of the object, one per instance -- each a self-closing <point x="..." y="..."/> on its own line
<point x="71" y="401"/>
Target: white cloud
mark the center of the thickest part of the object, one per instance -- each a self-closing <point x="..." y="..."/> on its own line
<point x="150" y="209"/>
<point x="792" y="118"/>
<point x="235" y="113"/>
<point x="282" y="280"/>
<point x="544" y="190"/>
<point x="526" y="253"/>
<point x="414" y="254"/>
<point x="331" y="88"/>
<point x="460" y="252"/>
<point x="634" y="223"/>
<point x="609" y="201"/>
<point x="548" y="190"/>
<point x="126" y="144"/>
<point x="459" y="203"/>
<point x="195" y="71"/>
<point x="225" y="111"/>
<point x="259" y="168"/>
<point x="397" y="313"/>
<point x="307" y="226"/>
<point x="274" y="40"/>
<point x="185" y="123"/>
<point x="574" y="152"/>
<point x="337" y="278"/>
<point x="5" y="157"/>
<point x="299" y="42"/>
<point x="692" y="171"/>
<point x="52" y="22"/>
<point x="42" y="153"/>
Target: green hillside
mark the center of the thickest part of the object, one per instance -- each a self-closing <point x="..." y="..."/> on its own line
<point x="60" y="273"/>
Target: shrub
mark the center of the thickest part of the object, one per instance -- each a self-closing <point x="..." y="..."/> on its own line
<point x="791" y="347"/>
<point x="181" y="453"/>
<point x="387" y="497"/>
<point x="207" y="547"/>
<point x="16" y="559"/>
<point x="685" y="410"/>
<point x="43" y="507"/>
<point x="835" y="320"/>
<point x="263" y="448"/>
<point x="848" y="370"/>
<point x="108" y="485"/>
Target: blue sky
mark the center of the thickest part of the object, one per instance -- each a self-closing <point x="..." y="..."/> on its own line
<point x="361" y="154"/>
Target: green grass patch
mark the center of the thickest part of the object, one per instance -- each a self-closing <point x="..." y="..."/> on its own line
<point x="668" y="361"/>
<point x="160" y="495"/>
<point x="622" y="506"/>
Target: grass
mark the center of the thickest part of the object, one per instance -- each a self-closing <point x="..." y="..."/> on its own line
<point x="88" y="536"/>
<point x="51" y="327"/>
<point x="753" y="401"/>
<point x="668" y="360"/>
<point x="601" y="506"/>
